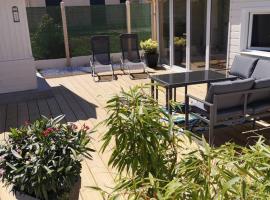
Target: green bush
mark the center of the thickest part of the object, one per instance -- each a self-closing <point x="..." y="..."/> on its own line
<point x="47" y="41"/>
<point x="43" y="159"/>
<point x="169" y="167"/>
<point x="149" y="46"/>
<point x="179" y="41"/>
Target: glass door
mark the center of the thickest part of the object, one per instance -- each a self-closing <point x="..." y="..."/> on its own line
<point x="219" y="34"/>
<point x="180" y="33"/>
<point x="198" y="22"/>
<point x="196" y="35"/>
<point x="164" y="32"/>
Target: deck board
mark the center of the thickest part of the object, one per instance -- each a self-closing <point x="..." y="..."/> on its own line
<point x="11" y="116"/>
<point x="83" y="101"/>
<point x="23" y="114"/>
<point x="43" y="107"/>
<point x="33" y="110"/>
<point x="3" y="113"/>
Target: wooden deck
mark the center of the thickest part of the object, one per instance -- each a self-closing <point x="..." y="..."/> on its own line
<point x="82" y="101"/>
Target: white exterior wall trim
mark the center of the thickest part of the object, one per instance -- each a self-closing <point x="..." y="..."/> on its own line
<point x="239" y="27"/>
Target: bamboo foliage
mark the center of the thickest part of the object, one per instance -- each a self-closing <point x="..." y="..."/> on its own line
<point x="161" y="165"/>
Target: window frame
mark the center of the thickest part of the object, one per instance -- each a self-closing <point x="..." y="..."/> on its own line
<point x="250" y="27"/>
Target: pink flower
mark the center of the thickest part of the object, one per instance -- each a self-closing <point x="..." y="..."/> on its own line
<point x="48" y="131"/>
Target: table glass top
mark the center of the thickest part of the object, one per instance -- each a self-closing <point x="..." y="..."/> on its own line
<point x="187" y="78"/>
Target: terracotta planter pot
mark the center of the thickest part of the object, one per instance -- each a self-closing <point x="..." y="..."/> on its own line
<point x="151" y="60"/>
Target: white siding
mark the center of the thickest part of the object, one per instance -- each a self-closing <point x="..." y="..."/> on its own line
<point x="15" y="40"/>
<point x="17" y="67"/>
<point x="237" y="15"/>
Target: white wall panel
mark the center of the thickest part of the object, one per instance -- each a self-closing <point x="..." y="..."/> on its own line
<point x="236" y="9"/>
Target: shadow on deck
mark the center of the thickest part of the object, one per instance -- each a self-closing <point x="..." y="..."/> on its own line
<point x="32" y="106"/>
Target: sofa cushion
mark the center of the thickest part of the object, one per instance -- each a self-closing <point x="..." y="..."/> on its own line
<point x="262" y="70"/>
<point x="227" y="87"/>
<point x="243" y="66"/>
<point x="262" y="83"/>
<point x="260" y="96"/>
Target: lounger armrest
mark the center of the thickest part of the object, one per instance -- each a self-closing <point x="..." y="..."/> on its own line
<point x="91" y="62"/>
<point x="200" y="100"/>
<point x="121" y="60"/>
<point x="142" y="57"/>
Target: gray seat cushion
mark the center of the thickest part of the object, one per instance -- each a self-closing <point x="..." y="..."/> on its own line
<point x="224" y="114"/>
<point x="227" y="87"/>
<point x="243" y="66"/>
<point x="262" y="70"/>
<point x="260" y="96"/>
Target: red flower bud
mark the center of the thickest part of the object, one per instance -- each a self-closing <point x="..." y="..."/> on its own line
<point x="48" y="131"/>
<point x="85" y="128"/>
<point x="26" y="123"/>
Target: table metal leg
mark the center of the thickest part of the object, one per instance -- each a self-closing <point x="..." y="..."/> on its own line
<point x="156" y="92"/>
<point x="186" y="113"/>
<point x="152" y="89"/>
<point x="174" y="94"/>
<point x="169" y="99"/>
<point x="186" y="109"/>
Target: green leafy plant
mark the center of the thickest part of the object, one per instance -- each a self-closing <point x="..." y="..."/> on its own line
<point x="179" y="41"/>
<point x="43" y="159"/>
<point x="143" y="144"/>
<point x="149" y="46"/>
<point x="226" y="172"/>
<point x="47" y="41"/>
<point x="166" y="166"/>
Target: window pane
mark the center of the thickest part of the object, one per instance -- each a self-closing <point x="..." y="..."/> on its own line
<point x="261" y="31"/>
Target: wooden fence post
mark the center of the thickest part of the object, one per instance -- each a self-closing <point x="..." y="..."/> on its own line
<point x="154" y="19"/>
<point x="128" y="16"/>
<point x="65" y="32"/>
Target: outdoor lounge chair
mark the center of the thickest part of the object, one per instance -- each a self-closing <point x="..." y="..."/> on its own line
<point x="231" y="102"/>
<point x="101" y="58"/>
<point x="131" y="59"/>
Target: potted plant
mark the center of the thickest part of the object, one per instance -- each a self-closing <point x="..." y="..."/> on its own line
<point x="179" y="44"/>
<point x="43" y="159"/>
<point x="150" y="48"/>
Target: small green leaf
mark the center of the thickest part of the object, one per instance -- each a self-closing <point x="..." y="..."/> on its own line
<point x="15" y="153"/>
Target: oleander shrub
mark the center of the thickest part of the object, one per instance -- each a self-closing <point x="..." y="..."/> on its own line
<point x="43" y="159"/>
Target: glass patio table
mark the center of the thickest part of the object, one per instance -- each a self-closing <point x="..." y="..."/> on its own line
<point x="172" y="81"/>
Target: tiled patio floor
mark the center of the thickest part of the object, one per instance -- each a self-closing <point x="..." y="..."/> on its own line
<point x="83" y="101"/>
